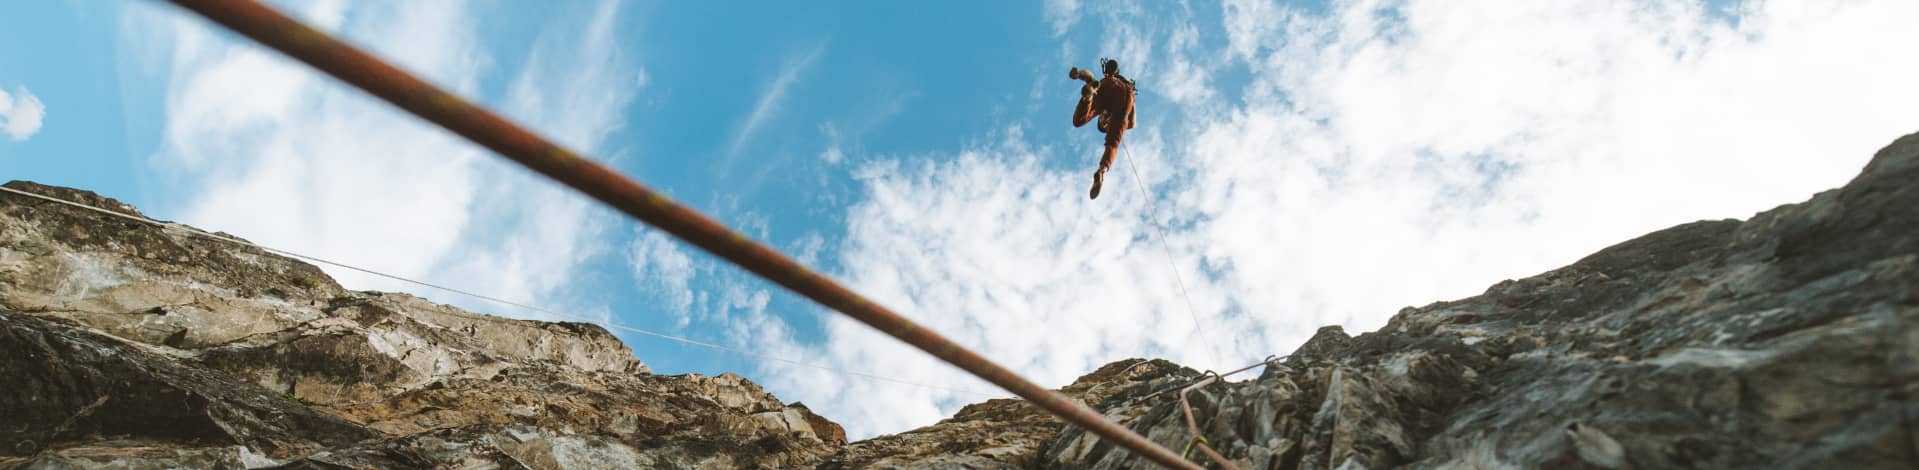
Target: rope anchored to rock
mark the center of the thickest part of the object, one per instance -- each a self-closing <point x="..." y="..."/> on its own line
<point x="1192" y="425"/>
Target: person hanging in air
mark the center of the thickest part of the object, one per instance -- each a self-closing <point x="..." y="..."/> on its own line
<point x="1111" y="100"/>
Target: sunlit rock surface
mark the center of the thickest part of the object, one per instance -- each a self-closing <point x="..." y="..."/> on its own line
<point x="128" y="344"/>
<point x="1790" y="340"/>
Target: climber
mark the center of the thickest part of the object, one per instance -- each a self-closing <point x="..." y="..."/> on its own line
<point x="1110" y="98"/>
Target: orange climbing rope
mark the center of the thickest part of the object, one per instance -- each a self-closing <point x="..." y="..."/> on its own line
<point x="1192" y="426"/>
<point x="356" y="67"/>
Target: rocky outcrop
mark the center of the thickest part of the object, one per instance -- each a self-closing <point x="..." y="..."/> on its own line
<point x="1790" y="340"/>
<point x="144" y="346"/>
<point x="72" y="386"/>
<point x="1006" y="432"/>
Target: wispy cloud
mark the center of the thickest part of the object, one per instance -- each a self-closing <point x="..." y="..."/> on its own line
<point x="264" y="147"/>
<point x="832" y="155"/>
<point x="662" y="268"/>
<point x="529" y="234"/>
<point x="1061" y="14"/>
<point x="1387" y="154"/>
<point x="20" y="113"/>
<point x="769" y="102"/>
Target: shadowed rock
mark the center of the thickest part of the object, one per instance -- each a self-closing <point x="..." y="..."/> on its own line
<point x="144" y="346"/>
<point x="1790" y="340"/>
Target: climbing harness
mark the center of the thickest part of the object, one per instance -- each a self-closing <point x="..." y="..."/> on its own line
<point x="483" y="127"/>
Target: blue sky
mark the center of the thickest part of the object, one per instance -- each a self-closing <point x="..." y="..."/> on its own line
<point x="1315" y="163"/>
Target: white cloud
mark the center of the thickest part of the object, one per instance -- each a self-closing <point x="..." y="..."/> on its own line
<point x="1062" y="14"/>
<point x="661" y="267"/>
<point x="1159" y="50"/>
<point x="1253" y="26"/>
<point x="1006" y="258"/>
<point x="1185" y="80"/>
<point x="276" y="152"/>
<point x="20" y="113"/>
<point x="831" y="156"/>
<point x="573" y="89"/>
<point x="807" y="249"/>
<point x="769" y="101"/>
<point x="1387" y="154"/>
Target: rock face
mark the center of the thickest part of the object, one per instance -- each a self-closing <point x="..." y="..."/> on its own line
<point x="1790" y="340"/>
<point x="1011" y="433"/>
<point x="136" y="345"/>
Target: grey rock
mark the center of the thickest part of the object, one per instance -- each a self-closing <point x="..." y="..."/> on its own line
<point x="1595" y="447"/>
<point x="75" y="394"/>
<point x="142" y="346"/>
<point x="1790" y="340"/>
<point x="1011" y="433"/>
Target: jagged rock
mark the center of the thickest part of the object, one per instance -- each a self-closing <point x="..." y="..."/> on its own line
<point x="68" y="385"/>
<point x="374" y="346"/>
<point x="1790" y="340"/>
<point x="141" y="346"/>
<point x="143" y="282"/>
<point x="1009" y="433"/>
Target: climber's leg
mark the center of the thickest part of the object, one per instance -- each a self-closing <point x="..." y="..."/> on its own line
<point x="1084" y="112"/>
<point x="1105" y="162"/>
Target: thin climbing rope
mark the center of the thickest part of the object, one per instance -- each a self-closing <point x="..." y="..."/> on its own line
<point x="477" y="124"/>
<point x="1192" y="426"/>
<point x="1152" y="209"/>
<point x="608" y="324"/>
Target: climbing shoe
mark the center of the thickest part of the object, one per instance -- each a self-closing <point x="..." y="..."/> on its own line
<point x="1099" y="177"/>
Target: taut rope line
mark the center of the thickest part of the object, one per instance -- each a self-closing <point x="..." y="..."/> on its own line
<point x="509" y="140"/>
<point x="1152" y="209"/>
